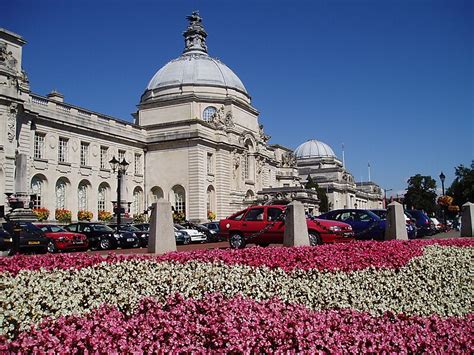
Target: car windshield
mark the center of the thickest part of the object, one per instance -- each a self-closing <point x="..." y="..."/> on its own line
<point x="101" y="228"/>
<point x="54" y="229"/>
<point x="179" y="226"/>
<point x="31" y="228"/>
<point x="131" y="228"/>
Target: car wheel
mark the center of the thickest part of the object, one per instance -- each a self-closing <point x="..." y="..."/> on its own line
<point x="236" y="241"/>
<point x="314" y="238"/>
<point x="52" y="247"/>
<point x="105" y="244"/>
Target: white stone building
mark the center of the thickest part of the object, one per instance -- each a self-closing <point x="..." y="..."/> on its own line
<point x="318" y="160"/>
<point x="195" y="141"/>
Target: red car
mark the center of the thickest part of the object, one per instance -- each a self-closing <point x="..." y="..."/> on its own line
<point x="62" y="240"/>
<point x="264" y="225"/>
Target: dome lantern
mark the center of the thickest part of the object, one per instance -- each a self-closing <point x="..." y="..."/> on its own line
<point x="195" y="35"/>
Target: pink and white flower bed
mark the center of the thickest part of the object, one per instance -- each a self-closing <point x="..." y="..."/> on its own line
<point x="413" y="296"/>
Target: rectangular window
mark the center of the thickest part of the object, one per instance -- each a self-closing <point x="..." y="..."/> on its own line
<point x="121" y="155"/>
<point x="246" y="166"/>
<point x="39" y="146"/>
<point x="104" y="152"/>
<point x="210" y="164"/>
<point x="138" y="164"/>
<point x="84" y="154"/>
<point x="63" y="150"/>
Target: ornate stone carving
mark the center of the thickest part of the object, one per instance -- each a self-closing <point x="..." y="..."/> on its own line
<point x="264" y="137"/>
<point x="260" y="164"/>
<point x="195" y="35"/>
<point x="235" y="163"/>
<point x="288" y="160"/>
<point x="6" y="57"/>
<point x="11" y="121"/>
<point x="222" y="120"/>
<point x="229" y="120"/>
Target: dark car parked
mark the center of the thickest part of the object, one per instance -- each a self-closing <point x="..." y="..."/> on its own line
<point x="142" y="235"/>
<point x="103" y="237"/>
<point x="424" y="225"/>
<point x="32" y="239"/>
<point x="214" y="231"/>
<point x="145" y="227"/>
<point x="410" y="223"/>
<point x="365" y="224"/>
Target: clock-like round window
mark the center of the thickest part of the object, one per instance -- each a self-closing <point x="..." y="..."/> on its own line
<point x="208" y="113"/>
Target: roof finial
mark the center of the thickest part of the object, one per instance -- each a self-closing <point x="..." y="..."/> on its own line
<point x="195" y="35"/>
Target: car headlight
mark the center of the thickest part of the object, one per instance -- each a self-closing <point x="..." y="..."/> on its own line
<point x="335" y="228"/>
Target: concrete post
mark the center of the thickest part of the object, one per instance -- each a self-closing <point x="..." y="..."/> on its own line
<point x="161" y="239"/>
<point x="296" y="229"/>
<point x="395" y="227"/>
<point x="467" y="219"/>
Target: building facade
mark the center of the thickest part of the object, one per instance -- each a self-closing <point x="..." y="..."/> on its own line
<point x="195" y="140"/>
<point x="318" y="160"/>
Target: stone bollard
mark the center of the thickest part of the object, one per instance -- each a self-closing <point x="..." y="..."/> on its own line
<point x="161" y="239"/>
<point x="396" y="225"/>
<point x="296" y="229"/>
<point x="467" y="217"/>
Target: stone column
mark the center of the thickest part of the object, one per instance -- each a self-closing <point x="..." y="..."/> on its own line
<point x="296" y="229"/>
<point x="467" y="219"/>
<point x="395" y="227"/>
<point x="161" y="239"/>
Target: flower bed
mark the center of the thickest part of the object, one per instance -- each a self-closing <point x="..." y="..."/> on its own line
<point x="413" y="296"/>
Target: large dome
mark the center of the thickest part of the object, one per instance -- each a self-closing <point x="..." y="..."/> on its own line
<point x="314" y="149"/>
<point x="196" y="69"/>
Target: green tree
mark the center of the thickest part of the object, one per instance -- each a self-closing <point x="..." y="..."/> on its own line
<point x="323" y="197"/>
<point x="421" y="193"/>
<point x="462" y="188"/>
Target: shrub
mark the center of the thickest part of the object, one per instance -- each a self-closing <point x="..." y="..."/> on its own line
<point x="62" y="215"/>
<point x="41" y="213"/>
<point x="211" y="216"/>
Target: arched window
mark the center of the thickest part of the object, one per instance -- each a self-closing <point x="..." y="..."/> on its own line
<point x="208" y="113"/>
<point x="247" y="168"/>
<point x="211" y="193"/>
<point x="156" y="193"/>
<point x="178" y="198"/>
<point x="137" y="200"/>
<point x="82" y="195"/>
<point x="37" y="184"/>
<point x="102" y="195"/>
<point x="61" y="187"/>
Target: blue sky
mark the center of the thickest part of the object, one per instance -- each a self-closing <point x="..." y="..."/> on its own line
<point x="392" y="80"/>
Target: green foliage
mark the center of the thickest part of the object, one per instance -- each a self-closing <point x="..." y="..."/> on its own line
<point x="462" y="188"/>
<point x="421" y="193"/>
<point x="323" y="197"/>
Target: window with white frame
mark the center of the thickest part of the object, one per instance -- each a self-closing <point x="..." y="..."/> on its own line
<point x="104" y="153"/>
<point x="138" y="164"/>
<point x="208" y="113"/>
<point x="137" y="201"/>
<point x="39" y="146"/>
<point x="36" y="187"/>
<point x="101" y="196"/>
<point x="179" y="199"/>
<point x="82" y="197"/>
<point x="63" y="149"/>
<point x="210" y="164"/>
<point x="121" y="155"/>
<point x="61" y="194"/>
<point x="84" y="154"/>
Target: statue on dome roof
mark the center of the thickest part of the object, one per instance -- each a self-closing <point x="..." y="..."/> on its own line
<point x="194" y="17"/>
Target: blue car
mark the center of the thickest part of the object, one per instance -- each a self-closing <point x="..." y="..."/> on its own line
<point x="411" y="228"/>
<point x="365" y="224"/>
<point x="424" y="225"/>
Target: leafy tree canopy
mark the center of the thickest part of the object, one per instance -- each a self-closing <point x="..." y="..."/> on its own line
<point x="421" y="193"/>
<point x="323" y="197"/>
<point x="462" y="188"/>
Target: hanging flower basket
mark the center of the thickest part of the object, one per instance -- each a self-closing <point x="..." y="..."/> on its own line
<point x="104" y="216"/>
<point x="211" y="216"/>
<point x="84" y="215"/>
<point x="41" y="213"/>
<point x="62" y="215"/>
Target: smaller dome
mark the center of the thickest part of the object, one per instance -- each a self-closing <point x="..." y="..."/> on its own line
<point x="314" y="149"/>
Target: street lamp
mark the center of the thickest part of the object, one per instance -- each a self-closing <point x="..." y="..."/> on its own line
<point x="442" y="177"/>
<point x="120" y="167"/>
<point x="385" y="196"/>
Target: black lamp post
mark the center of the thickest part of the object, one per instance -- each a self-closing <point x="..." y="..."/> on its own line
<point x="442" y="177"/>
<point x="120" y="167"/>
